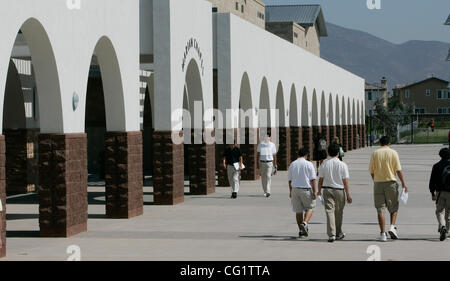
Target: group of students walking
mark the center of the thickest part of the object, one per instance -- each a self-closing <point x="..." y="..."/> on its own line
<point x="329" y="184"/>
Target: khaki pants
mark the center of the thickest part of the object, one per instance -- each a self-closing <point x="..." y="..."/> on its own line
<point x="334" y="201"/>
<point x="266" y="169"/>
<point x="233" y="178"/>
<point x="443" y="209"/>
<point x="386" y="196"/>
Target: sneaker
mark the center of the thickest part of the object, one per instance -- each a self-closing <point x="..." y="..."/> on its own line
<point x="332" y="239"/>
<point x="233" y="195"/>
<point x="393" y="232"/>
<point x="304" y="229"/>
<point x="301" y="234"/>
<point x="443" y="233"/>
<point x="341" y="236"/>
<point x="383" y="237"/>
<point x="267" y="195"/>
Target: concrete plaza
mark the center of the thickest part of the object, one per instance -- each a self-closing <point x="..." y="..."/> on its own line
<point x="251" y="227"/>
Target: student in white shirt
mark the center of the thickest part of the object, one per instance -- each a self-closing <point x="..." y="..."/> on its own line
<point x="267" y="161"/>
<point x="333" y="180"/>
<point x="302" y="190"/>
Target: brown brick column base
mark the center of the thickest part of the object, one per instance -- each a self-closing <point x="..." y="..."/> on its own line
<point x="168" y="169"/>
<point x="350" y="137"/>
<point x="332" y="131"/>
<point x="284" y="149"/>
<point x="345" y="138"/>
<point x="364" y="135"/>
<point x="355" y="136"/>
<point x="249" y="155"/>
<point x="338" y="131"/>
<point x="307" y="140"/>
<point x="202" y="176"/>
<point x="123" y="174"/>
<point x="326" y="133"/>
<point x="21" y="160"/>
<point x="3" y="196"/>
<point x="63" y="202"/>
<point x="296" y="141"/>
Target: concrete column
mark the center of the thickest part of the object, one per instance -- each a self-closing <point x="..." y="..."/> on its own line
<point x="307" y="139"/>
<point x="284" y="149"/>
<point x="296" y="141"/>
<point x="63" y="202"/>
<point x="345" y="138"/>
<point x="168" y="169"/>
<point x="249" y="154"/>
<point x="123" y="174"/>
<point x="202" y="175"/>
<point x="3" y="195"/>
<point x="21" y="160"/>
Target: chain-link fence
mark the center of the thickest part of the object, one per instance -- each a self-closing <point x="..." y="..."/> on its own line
<point x="410" y="129"/>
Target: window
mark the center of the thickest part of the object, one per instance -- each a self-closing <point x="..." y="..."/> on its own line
<point x="407" y="94"/>
<point x="295" y="35"/>
<point x="242" y="8"/>
<point x="237" y="6"/>
<point x="442" y="110"/>
<point x="214" y="9"/>
<point x="420" y="110"/>
<point x="427" y="92"/>
<point x="442" y="94"/>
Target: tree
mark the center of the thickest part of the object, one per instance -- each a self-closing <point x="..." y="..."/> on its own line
<point x="387" y="118"/>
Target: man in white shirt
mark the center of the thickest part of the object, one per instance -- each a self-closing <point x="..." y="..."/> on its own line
<point x="267" y="161"/>
<point x="302" y="190"/>
<point x="333" y="180"/>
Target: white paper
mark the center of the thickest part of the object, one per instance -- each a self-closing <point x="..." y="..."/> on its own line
<point x="236" y="166"/>
<point x="320" y="199"/>
<point x="404" y="196"/>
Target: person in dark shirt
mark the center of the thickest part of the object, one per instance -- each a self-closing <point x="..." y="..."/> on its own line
<point x="440" y="192"/>
<point x="232" y="162"/>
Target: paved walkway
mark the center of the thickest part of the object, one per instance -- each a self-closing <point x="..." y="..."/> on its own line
<point x="251" y="227"/>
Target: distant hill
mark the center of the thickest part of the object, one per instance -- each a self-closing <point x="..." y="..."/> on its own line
<point x="372" y="58"/>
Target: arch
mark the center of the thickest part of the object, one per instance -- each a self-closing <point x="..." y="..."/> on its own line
<point x="323" y="110"/>
<point x="280" y="117"/>
<point x="193" y="91"/>
<point x="349" y="112"/>
<point x="330" y="111"/>
<point x="337" y="119"/>
<point x="46" y="75"/>
<point x="14" y="105"/>
<point x="264" y="120"/>
<point x="148" y="127"/>
<point x="353" y="113"/>
<point x="112" y="84"/>
<point x="305" y="109"/>
<point x="358" y="118"/>
<point x="245" y="102"/>
<point x="293" y="108"/>
<point x="363" y="113"/>
<point x="315" y="110"/>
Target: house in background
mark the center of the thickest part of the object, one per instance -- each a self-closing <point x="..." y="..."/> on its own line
<point x="431" y="95"/>
<point x="302" y="25"/>
<point x="250" y="10"/>
<point x="373" y="93"/>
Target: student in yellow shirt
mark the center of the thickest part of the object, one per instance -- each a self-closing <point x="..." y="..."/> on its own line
<point x="384" y="168"/>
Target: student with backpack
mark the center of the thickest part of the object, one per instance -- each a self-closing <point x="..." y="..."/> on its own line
<point x="440" y="191"/>
<point x="337" y="142"/>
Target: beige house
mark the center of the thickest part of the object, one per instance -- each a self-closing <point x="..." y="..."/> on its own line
<point x="302" y="25"/>
<point x="251" y="10"/>
<point x="375" y="92"/>
<point x="431" y="95"/>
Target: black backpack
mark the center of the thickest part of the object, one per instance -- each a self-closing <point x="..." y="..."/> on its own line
<point x="446" y="177"/>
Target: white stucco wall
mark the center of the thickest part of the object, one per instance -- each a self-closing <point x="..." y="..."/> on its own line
<point x="62" y="42"/>
<point x="175" y="23"/>
<point x="244" y="48"/>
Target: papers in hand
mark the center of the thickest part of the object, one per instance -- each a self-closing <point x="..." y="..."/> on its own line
<point x="404" y="196"/>
<point x="236" y="166"/>
<point x="320" y="198"/>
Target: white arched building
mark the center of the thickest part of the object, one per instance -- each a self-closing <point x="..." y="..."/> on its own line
<point x="117" y="83"/>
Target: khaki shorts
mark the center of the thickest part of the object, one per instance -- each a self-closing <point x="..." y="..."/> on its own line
<point x="386" y="196"/>
<point x="302" y="200"/>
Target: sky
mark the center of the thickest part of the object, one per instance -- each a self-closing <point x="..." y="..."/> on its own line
<point x="397" y="21"/>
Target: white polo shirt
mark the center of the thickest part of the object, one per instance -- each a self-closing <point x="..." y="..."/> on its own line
<point x="266" y="150"/>
<point x="301" y="173"/>
<point x="333" y="171"/>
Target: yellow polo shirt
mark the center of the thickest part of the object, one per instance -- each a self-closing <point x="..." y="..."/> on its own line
<point x="384" y="164"/>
